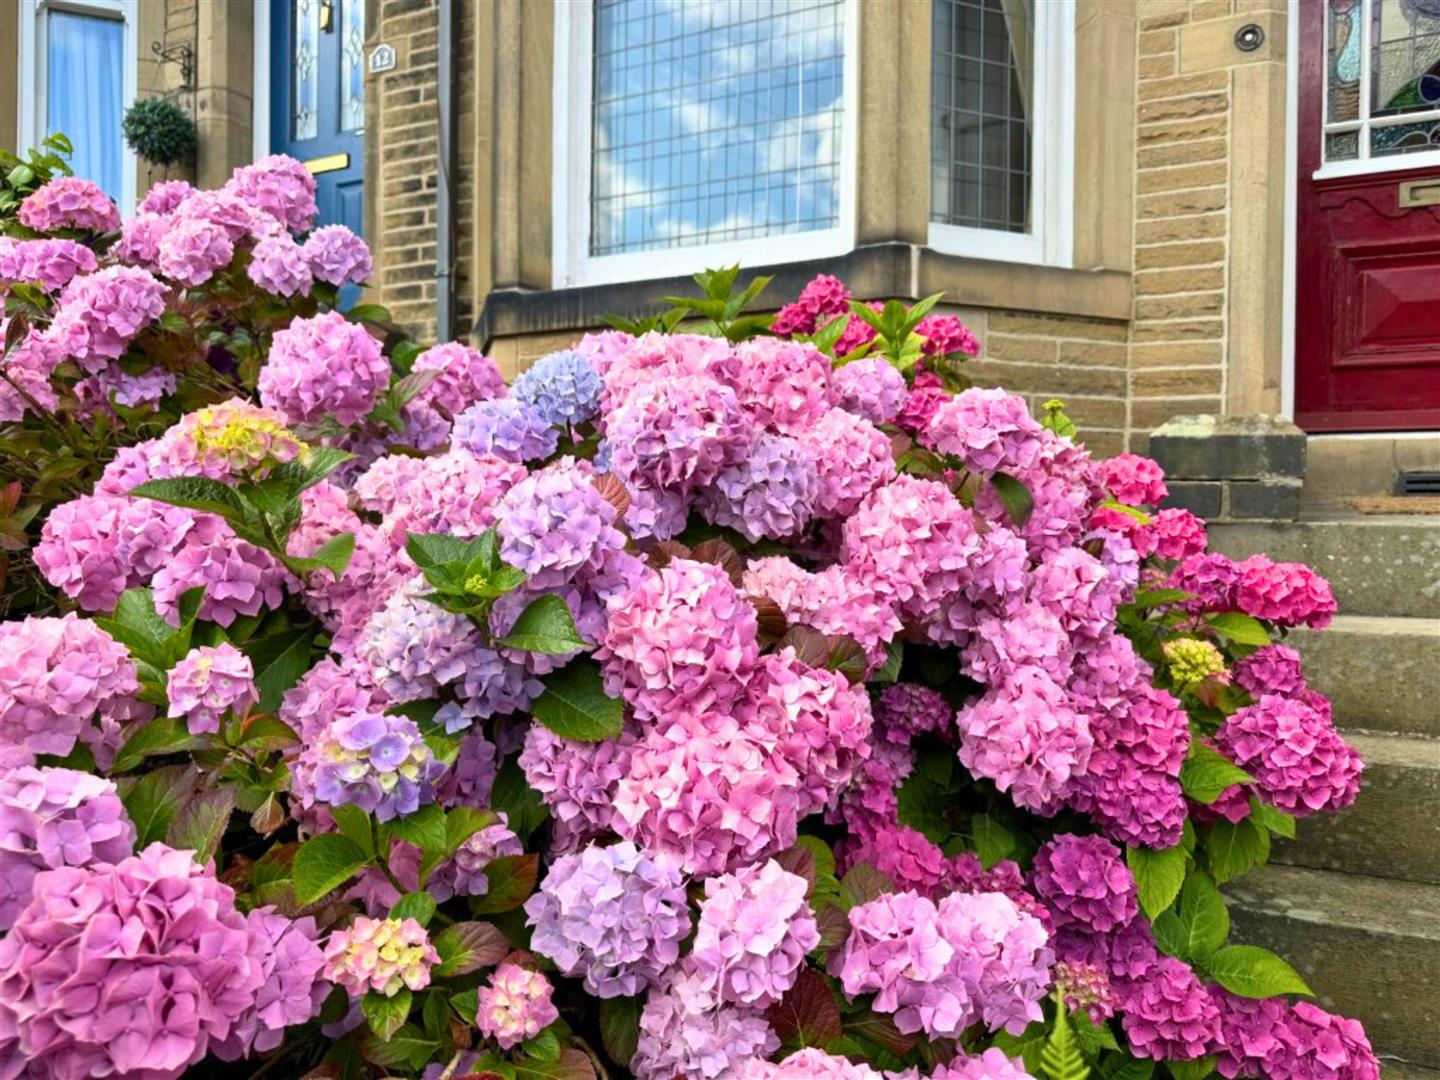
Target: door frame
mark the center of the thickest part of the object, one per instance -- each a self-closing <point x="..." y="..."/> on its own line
<point x="260" y="81"/>
<point x="1292" y="198"/>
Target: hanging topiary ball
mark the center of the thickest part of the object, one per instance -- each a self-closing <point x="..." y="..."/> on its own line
<point x="159" y="131"/>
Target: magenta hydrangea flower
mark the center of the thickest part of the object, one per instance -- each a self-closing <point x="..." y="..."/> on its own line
<point x="324" y="364"/>
<point x="55" y="674"/>
<point x="1178" y="534"/>
<point x="160" y="935"/>
<point x="823" y="298"/>
<point x="99" y="314"/>
<point x="754" y="929"/>
<point x="1287" y="594"/>
<point x="946" y="335"/>
<point x="784" y="385"/>
<point x="857" y="332"/>
<point x="281" y="187"/>
<point x="1270" y="1037"/>
<point x="1271" y="669"/>
<point x="290" y="963"/>
<point x="193" y="249"/>
<point x="1133" y="479"/>
<point x="871" y="388"/>
<point x="1084" y="882"/>
<point x="989" y="430"/>
<point x="683" y="640"/>
<point x="67" y="202"/>
<point x="852" y="458"/>
<point x="463" y="376"/>
<point x="380" y="955"/>
<point x="1027" y="736"/>
<point x="208" y="682"/>
<point x="1210" y="579"/>
<point x="514" y="1005"/>
<point x="613" y="916"/>
<point x="239" y="579"/>
<point x="682" y="1038"/>
<point x="904" y="855"/>
<point x="51" y="818"/>
<point x="1168" y="1016"/>
<point x="50" y="262"/>
<point x="336" y="255"/>
<point x="1299" y="761"/>
<point x="277" y="265"/>
<point x="772" y="493"/>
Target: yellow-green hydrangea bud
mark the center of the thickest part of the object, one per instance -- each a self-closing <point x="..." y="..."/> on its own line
<point x="1193" y="660"/>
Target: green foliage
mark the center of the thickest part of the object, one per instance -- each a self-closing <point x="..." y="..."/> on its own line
<point x="894" y="326"/>
<point x="721" y="310"/>
<point x="1251" y="971"/>
<point x="21" y="177"/>
<point x="1206" y="773"/>
<point x="1234" y="848"/>
<point x="1055" y="419"/>
<point x="323" y="864"/>
<point x="575" y="705"/>
<point x="1060" y="1058"/>
<point x="386" y="1015"/>
<point x="1158" y="876"/>
<point x="159" y="131"/>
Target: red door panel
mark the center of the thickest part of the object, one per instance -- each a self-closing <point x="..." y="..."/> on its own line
<point x="1367" y="282"/>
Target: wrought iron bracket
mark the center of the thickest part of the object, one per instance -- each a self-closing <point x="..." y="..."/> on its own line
<point x="181" y="54"/>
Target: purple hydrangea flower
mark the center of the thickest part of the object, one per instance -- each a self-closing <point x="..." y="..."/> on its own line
<point x="871" y="388"/>
<point x="51" y="263"/>
<point x="290" y="961"/>
<point x="1300" y="763"/>
<point x="377" y="762"/>
<point x="563" y="387"/>
<point x="1084" y="882"/>
<point x="506" y="427"/>
<point x="682" y="1037"/>
<point x="556" y="520"/>
<point x="771" y="493"/>
<point x="612" y="915"/>
<point x="1168" y="1016"/>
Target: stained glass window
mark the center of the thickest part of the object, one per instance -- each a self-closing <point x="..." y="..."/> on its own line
<point x="714" y="122"/>
<point x="352" y="66"/>
<point x="305" y="111"/>
<point x="1382" y="87"/>
<point x="983" y="82"/>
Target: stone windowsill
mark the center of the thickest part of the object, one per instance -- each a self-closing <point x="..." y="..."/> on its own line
<point x="877" y="271"/>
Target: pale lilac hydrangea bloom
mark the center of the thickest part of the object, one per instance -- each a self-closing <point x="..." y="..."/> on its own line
<point x="377" y="762"/>
<point x="678" y="433"/>
<point x="1168" y="1016"/>
<point x="281" y="187"/>
<point x="290" y="962"/>
<point x="754" y="929"/>
<point x="55" y="674"/>
<point x="772" y="493"/>
<point x="1084" y="882"/>
<point x="113" y="384"/>
<point x="680" y="1037"/>
<point x="464" y="873"/>
<point x="380" y="955"/>
<point x="514" y="1005"/>
<point x="99" y="314"/>
<point x="577" y="781"/>
<point x="555" y="520"/>
<point x="51" y="818"/>
<point x="208" y="682"/>
<point x="993" y="1064"/>
<point x="563" y="387"/>
<point x="277" y="265"/>
<point x="613" y="916"/>
<point x="160" y="935"/>
<point x="67" y="202"/>
<point x="325" y="364"/>
<point x="507" y="428"/>
<point x="239" y="579"/>
<point x="337" y="256"/>
<point x="325" y="692"/>
<point x="1299" y="761"/>
<point x="50" y="262"/>
<point x="871" y="388"/>
<point x="454" y="492"/>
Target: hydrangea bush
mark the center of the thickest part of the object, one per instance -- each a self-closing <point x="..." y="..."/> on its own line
<point x="752" y="702"/>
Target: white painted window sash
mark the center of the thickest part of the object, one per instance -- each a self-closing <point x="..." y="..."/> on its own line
<point x="1363" y="164"/>
<point x="572" y="143"/>
<point x="1051" y="239"/>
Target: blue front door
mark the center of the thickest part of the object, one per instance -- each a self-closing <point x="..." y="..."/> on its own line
<point x="318" y="99"/>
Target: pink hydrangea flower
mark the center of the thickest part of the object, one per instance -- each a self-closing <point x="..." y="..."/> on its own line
<point x="677" y="434"/>
<point x="238" y="577"/>
<point x="1084" y="882"/>
<point x="946" y="335"/>
<point x="1133" y="479"/>
<point x="823" y="298"/>
<point x="277" y="265"/>
<point x="852" y="458"/>
<point x="29" y="366"/>
<point x="514" y="1006"/>
<point x="165" y="197"/>
<point x="784" y="385"/>
<point x="1168" y="1016"/>
<point x="463" y="376"/>
<point x="290" y="962"/>
<point x="100" y="314"/>
<point x="1288" y="594"/>
<point x="871" y="388"/>
<point x="1178" y="534"/>
<point x="208" y="682"/>
<point x="67" y="202"/>
<point x="1271" y="669"/>
<point x="680" y="1037"/>
<point x="382" y="955"/>
<point x="193" y="249"/>
<point x="325" y="364"/>
<point x="281" y="187"/>
<point x="52" y="263"/>
<point x="1299" y="761"/>
<point x="336" y="255"/>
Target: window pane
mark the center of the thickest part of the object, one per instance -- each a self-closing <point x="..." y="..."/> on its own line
<point x="980" y="117"/>
<point x="352" y="66"/>
<point x="714" y="122"/>
<point x="85" y="92"/>
<point x="305" y="110"/>
<point x="1405" y="58"/>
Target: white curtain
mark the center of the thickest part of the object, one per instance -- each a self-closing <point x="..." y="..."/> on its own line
<point x="84" y="92"/>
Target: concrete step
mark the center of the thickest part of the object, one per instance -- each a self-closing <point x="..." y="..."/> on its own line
<point x="1381" y="565"/>
<point x="1393" y="830"/>
<point x="1370" y="948"/>
<point x="1381" y="673"/>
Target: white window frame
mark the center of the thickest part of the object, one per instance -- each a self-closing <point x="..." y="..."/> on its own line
<point x="573" y="265"/>
<point x="34" y="57"/>
<point x="1365" y="164"/>
<point x="1051" y="239"/>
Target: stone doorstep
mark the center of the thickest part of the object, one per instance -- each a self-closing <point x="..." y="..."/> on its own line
<point x="1392" y="830"/>
<point x="1379" y="673"/>
<point x="1210" y="447"/>
<point x="1220" y="501"/>
<point x="1369" y="947"/>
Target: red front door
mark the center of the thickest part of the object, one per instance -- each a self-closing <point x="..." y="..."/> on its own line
<point x="1367" y="268"/>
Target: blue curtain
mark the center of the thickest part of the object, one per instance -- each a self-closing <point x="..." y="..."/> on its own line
<point x="84" y="92"/>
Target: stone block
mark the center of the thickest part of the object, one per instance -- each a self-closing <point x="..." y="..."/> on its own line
<point x="1201" y="497"/>
<point x="1263" y="500"/>
<point x="1208" y="447"/>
